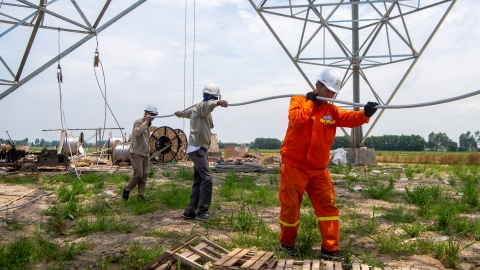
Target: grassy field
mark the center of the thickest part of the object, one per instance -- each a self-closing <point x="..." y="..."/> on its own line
<point x="397" y="214"/>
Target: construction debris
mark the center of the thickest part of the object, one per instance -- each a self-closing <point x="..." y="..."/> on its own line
<point x="231" y="166"/>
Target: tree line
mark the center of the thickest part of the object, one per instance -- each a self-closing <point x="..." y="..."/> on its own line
<point x="468" y="141"/>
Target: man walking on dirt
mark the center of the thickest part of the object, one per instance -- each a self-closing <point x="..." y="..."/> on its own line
<point x="305" y="152"/>
<point x="201" y="124"/>
<point x="139" y="153"/>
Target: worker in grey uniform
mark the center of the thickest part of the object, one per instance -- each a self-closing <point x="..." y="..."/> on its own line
<point x="201" y="124"/>
<point x="139" y="153"/>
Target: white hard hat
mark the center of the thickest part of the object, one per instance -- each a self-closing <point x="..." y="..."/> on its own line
<point x="151" y="109"/>
<point x="212" y="89"/>
<point x="331" y="79"/>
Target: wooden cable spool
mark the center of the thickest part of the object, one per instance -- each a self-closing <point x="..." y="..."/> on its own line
<point x="165" y="144"/>
<point x="183" y="144"/>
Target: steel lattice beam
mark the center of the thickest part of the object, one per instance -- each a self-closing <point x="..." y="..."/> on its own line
<point x="38" y="15"/>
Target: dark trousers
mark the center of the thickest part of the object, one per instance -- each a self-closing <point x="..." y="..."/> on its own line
<point x="202" y="182"/>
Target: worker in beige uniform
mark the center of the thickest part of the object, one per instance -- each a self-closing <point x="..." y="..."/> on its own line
<point x="201" y="124"/>
<point x="139" y="153"/>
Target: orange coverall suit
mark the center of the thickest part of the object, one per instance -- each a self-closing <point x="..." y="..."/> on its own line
<point x="305" y="156"/>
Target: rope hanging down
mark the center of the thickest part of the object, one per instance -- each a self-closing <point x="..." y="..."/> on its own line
<point x="348" y="102"/>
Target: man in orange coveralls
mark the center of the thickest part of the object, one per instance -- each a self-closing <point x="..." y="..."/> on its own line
<point x="312" y="124"/>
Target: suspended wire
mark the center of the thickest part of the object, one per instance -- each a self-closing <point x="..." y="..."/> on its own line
<point x="347" y="102"/>
<point x="193" y="69"/>
<point x="184" y="59"/>
<point x="97" y="60"/>
<point x="62" y="112"/>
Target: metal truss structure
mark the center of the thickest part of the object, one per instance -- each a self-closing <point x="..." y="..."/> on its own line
<point x="329" y="34"/>
<point x="16" y="14"/>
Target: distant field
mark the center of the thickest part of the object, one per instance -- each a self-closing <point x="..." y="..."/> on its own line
<point x="441" y="158"/>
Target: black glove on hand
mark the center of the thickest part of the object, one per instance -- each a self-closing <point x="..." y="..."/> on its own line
<point x="369" y="109"/>
<point x="311" y="96"/>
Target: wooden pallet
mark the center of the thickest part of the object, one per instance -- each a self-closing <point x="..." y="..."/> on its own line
<point x="205" y="251"/>
<point x="246" y="259"/>
<point x="326" y="265"/>
<point x="208" y="255"/>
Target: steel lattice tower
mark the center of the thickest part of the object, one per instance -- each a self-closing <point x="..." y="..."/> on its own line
<point x="379" y="22"/>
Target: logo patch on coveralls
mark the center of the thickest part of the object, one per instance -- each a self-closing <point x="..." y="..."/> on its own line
<point x="327" y="120"/>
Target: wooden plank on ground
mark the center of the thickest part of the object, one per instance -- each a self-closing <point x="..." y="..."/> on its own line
<point x="280" y="265"/>
<point x="263" y="260"/>
<point x="377" y="268"/>
<point x="316" y="265"/>
<point x="188" y="260"/>
<point x="227" y="257"/>
<point x="253" y="259"/>
<point x="169" y="252"/>
<point x="329" y="265"/>
<point x="338" y="266"/>
<point x="355" y="266"/>
<point x="236" y="258"/>
<point x="306" y="265"/>
<point x="289" y="264"/>
<point x="212" y="244"/>
<point x="212" y="252"/>
<point x="203" y="254"/>
<point x="364" y="267"/>
<point x="387" y="268"/>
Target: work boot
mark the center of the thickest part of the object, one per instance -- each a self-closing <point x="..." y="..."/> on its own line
<point x="189" y="214"/>
<point x="290" y="250"/>
<point x="332" y="255"/>
<point x="203" y="216"/>
<point x="125" y="194"/>
<point x="141" y="198"/>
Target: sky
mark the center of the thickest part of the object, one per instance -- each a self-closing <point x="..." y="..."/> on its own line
<point x="157" y="55"/>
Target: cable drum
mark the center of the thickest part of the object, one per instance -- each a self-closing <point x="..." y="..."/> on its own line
<point x="68" y="144"/>
<point x="113" y="143"/>
<point x="121" y="153"/>
<point x="165" y="145"/>
<point x="183" y="144"/>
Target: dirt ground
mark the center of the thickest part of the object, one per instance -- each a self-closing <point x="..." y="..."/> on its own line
<point x="107" y="244"/>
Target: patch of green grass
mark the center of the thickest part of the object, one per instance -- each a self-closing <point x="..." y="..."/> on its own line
<point x="18" y="179"/>
<point x="139" y="207"/>
<point x="139" y="255"/>
<point x="234" y="187"/>
<point x="446" y="212"/>
<point x="368" y="258"/>
<point x="173" y="196"/>
<point x="103" y="224"/>
<point x="167" y="174"/>
<point x="244" y="220"/>
<point x="413" y="229"/>
<point x="423" y="194"/>
<point x="99" y="207"/>
<point x="151" y="173"/>
<point x="308" y="234"/>
<point x="24" y="252"/>
<point x="67" y="192"/>
<point x="262" y="195"/>
<point x="185" y="173"/>
<point x="380" y="191"/>
<point x="398" y="215"/>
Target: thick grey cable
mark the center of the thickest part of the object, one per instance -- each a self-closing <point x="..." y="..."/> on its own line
<point x="31" y="201"/>
<point x="350" y="103"/>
